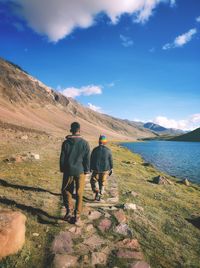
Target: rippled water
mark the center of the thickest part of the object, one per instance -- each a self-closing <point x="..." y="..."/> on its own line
<point x="180" y="159"/>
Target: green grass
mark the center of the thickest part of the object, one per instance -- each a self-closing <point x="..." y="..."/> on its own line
<point x="166" y="238"/>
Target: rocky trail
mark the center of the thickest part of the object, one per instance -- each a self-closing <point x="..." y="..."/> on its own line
<point x="104" y="238"/>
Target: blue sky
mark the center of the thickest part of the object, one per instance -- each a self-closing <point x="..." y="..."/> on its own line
<point x="133" y="59"/>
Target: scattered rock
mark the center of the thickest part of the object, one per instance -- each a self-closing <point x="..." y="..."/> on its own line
<point x="12" y="232"/>
<point x="140" y="264"/>
<point x="93" y="242"/>
<point x="34" y="156"/>
<point x="25" y="137"/>
<point x="94" y="215"/>
<point x="89" y="228"/>
<point x="35" y="234"/>
<point x="104" y="225"/>
<point x="130" y="206"/>
<point x="134" y="194"/>
<point x="64" y="261"/>
<point x="75" y="230"/>
<point x="161" y="180"/>
<point x="186" y="182"/>
<point x="129" y="162"/>
<point x="62" y="243"/>
<point x="129" y="254"/>
<point x="140" y="208"/>
<point x="22" y="157"/>
<point x="123" y="229"/>
<point x="99" y="258"/>
<point x="129" y="244"/>
<point x="120" y="216"/>
<point x="147" y="164"/>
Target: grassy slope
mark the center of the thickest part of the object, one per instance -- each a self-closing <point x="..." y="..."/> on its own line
<point x="191" y="136"/>
<point x="167" y="239"/>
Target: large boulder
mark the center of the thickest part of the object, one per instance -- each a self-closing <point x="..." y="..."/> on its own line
<point x="12" y="232"/>
<point x="161" y="180"/>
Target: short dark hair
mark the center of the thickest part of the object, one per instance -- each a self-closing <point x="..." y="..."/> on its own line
<point x="75" y="126"/>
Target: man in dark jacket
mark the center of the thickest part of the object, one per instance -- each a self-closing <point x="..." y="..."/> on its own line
<point x="75" y="164"/>
<point x="101" y="165"/>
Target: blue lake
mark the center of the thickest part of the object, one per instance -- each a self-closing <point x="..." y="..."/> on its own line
<point x="180" y="159"/>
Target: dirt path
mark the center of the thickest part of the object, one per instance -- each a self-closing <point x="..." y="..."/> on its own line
<point x="104" y="238"/>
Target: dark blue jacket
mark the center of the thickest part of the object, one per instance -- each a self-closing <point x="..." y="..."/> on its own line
<point x="101" y="159"/>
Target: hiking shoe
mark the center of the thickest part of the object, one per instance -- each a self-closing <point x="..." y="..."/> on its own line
<point x="67" y="217"/>
<point x="97" y="196"/>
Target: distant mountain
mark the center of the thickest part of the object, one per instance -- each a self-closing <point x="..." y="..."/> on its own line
<point x="154" y="127"/>
<point x="27" y="102"/>
<point x="162" y="130"/>
<point x="191" y="136"/>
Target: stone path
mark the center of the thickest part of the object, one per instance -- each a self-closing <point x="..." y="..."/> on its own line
<point x="104" y="238"/>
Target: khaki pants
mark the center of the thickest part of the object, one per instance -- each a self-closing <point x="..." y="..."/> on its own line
<point x="98" y="181"/>
<point x="67" y="191"/>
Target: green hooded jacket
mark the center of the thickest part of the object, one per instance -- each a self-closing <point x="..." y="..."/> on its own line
<point x="101" y="159"/>
<point x="75" y="156"/>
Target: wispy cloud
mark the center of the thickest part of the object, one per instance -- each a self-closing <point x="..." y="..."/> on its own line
<point x="198" y="19"/>
<point x="189" y="123"/>
<point x="74" y="92"/>
<point x="95" y="108"/>
<point x="57" y="19"/>
<point x="181" y="40"/>
<point x="126" y="40"/>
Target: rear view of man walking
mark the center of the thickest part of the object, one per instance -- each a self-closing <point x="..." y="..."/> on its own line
<point x="101" y="166"/>
<point x="75" y="164"/>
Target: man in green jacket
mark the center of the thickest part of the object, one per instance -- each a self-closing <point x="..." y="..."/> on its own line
<point x="101" y="165"/>
<point x="75" y="164"/>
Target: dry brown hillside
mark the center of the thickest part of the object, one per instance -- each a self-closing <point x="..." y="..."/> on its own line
<point x="27" y="102"/>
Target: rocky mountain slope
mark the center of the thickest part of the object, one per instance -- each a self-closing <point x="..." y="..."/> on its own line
<point x="27" y="102"/>
<point x="191" y="136"/>
<point x="162" y="130"/>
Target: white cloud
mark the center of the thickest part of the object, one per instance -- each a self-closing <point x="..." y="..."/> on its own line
<point x="181" y="40"/>
<point x="95" y="108"/>
<point x="198" y="19"/>
<point x="74" y="92"/>
<point x="190" y="123"/>
<point x="112" y="84"/>
<point x="126" y="40"/>
<point x="58" y="18"/>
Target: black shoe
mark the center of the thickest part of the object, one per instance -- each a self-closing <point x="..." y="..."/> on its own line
<point x="68" y="216"/>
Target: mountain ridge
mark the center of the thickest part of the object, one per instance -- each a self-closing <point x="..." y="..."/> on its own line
<point x="28" y="102"/>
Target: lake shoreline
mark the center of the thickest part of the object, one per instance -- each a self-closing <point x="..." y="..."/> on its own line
<point x="169" y="158"/>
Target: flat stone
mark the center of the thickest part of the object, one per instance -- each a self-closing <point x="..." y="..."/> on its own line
<point x="64" y="261"/>
<point x="36" y="234"/>
<point x="140" y="264"/>
<point x="89" y="228"/>
<point x="120" y="216"/>
<point x="94" y="242"/>
<point x="161" y="180"/>
<point x="130" y="206"/>
<point x="134" y="194"/>
<point x="99" y="258"/>
<point x="129" y="244"/>
<point x="25" y="137"/>
<point x="12" y="232"/>
<point x="75" y="230"/>
<point x="112" y="199"/>
<point x="62" y="243"/>
<point x="104" y="225"/>
<point x="186" y="182"/>
<point x="94" y="215"/>
<point x="129" y="254"/>
<point x="123" y="229"/>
